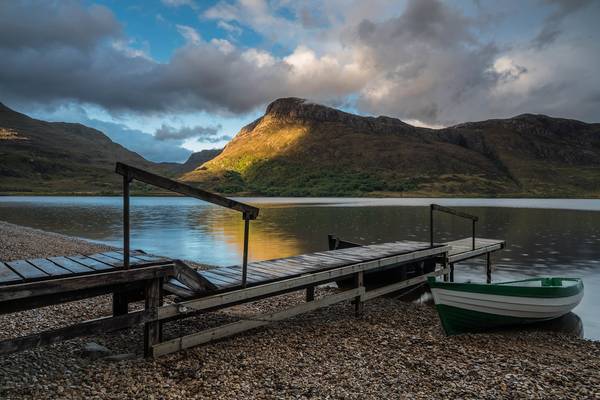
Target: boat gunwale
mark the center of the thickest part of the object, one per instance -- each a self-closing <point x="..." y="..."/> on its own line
<point x="507" y="290"/>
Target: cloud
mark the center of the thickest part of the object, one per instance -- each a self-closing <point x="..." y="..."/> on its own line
<point x="180" y="3"/>
<point x="202" y="134"/>
<point x="424" y="60"/>
<point x="551" y="28"/>
<point x="189" y="34"/>
<point x="34" y="24"/>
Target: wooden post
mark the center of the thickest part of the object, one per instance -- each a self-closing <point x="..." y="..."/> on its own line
<point x="452" y="272"/>
<point x="120" y="303"/>
<point x="310" y="293"/>
<point x="358" y="304"/>
<point x="126" y="181"/>
<point x="488" y="268"/>
<point x="474" y="234"/>
<point x="431" y="225"/>
<point x="245" y="256"/>
<point x="152" y="330"/>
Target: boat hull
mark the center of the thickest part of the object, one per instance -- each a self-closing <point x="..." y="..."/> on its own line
<point x="474" y="310"/>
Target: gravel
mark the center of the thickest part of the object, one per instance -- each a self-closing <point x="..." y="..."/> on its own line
<point x="395" y="350"/>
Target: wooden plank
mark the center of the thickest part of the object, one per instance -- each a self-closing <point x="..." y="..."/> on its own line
<point x="92" y="327"/>
<point x="73" y="283"/>
<point x="252" y="276"/>
<point x="74" y="267"/>
<point x="26" y="270"/>
<point x="221" y="299"/>
<point x="107" y="260"/>
<point x="7" y="275"/>
<point x="152" y="329"/>
<point x="90" y="262"/>
<point x="191" y="278"/>
<point x="266" y="269"/>
<point x="133" y="261"/>
<point x="285" y="267"/>
<point x="371" y="294"/>
<point x="474" y="253"/>
<point x="49" y="267"/>
<point x="223" y="279"/>
<point x="143" y="256"/>
<point x="244" y="325"/>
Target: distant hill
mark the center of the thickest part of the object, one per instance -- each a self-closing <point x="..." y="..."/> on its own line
<point x="304" y="149"/>
<point x="55" y="157"/>
<point x="194" y="161"/>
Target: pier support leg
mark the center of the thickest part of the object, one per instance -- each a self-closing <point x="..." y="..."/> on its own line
<point x="359" y="281"/>
<point x="488" y="268"/>
<point x="120" y="303"/>
<point x="451" y="272"/>
<point x="152" y="330"/>
<point x="310" y="293"/>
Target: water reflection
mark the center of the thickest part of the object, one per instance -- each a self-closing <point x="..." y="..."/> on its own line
<point x="562" y="240"/>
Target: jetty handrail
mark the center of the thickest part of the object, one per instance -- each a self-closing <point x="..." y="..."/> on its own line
<point x="451" y="211"/>
<point x="130" y="173"/>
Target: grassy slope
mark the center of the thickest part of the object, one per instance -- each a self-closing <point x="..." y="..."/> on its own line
<point x="527" y="156"/>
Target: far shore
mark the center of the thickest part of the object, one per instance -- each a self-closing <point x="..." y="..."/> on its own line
<point x="396" y="350"/>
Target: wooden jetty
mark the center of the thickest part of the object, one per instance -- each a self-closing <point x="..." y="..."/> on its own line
<point x="134" y="275"/>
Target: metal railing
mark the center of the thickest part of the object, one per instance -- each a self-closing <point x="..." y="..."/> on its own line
<point x="130" y="173"/>
<point x="436" y="207"/>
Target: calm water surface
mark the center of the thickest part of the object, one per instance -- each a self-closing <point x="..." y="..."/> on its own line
<point x="544" y="237"/>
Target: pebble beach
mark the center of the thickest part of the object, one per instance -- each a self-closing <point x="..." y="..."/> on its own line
<point x="396" y="350"/>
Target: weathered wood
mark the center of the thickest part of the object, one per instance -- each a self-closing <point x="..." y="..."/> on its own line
<point x="310" y="293"/>
<point x="371" y="294"/>
<point x="26" y="270"/>
<point x="49" y="267"/>
<point x="90" y="262"/>
<point x="452" y="211"/>
<point x="81" y="329"/>
<point x="28" y="303"/>
<point x="291" y="283"/>
<point x="120" y="303"/>
<point x="73" y="266"/>
<point x="40" y="288"/>
<point x="152" y="329"/>
<point x="181" y="188"/>
<point x="107" y="260"/>
<point x="359" y="282"/>
<point x="488" y="268"/>
<point x="461" y="249"/>
<point x="221" y="332"/>
<point x="7" y="275"/>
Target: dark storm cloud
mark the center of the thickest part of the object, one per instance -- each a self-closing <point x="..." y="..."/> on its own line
<point x="203" y="134"/>
<point x="35" y="24"/>
<point x="552" y="29"/>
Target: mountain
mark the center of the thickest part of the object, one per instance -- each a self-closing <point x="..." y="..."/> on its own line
<point x="194" y="161"/>
<point x="300" y="148"/>
<point x="56" y="157"/>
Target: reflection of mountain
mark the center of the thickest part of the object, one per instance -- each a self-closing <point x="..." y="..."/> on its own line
<point x="267" y="239"/>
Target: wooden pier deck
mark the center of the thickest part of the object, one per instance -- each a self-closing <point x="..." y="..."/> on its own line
<point x="134" y="275"/>
<point x="40" y="269"/>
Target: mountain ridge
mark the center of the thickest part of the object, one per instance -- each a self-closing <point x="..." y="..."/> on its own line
<point x="526" y="155"/>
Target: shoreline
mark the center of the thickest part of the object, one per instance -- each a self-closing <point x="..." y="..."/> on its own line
<point x="396" y="350"/>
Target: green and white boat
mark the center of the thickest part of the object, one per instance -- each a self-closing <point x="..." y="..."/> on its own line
<point x="476" y="307"/>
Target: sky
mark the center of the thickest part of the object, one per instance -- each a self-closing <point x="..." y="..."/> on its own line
<point x="168" y="77"/>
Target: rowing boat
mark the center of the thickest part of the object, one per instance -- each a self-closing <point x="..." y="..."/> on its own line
<point x="476" y="307"/>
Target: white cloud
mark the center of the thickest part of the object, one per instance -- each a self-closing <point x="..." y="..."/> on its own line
<point x="190" y="35"/>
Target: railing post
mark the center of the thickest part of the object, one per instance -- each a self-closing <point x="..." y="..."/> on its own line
<point x="245" y="256"/>
<point x="474" y="234"/>
<point x="431" y="225"/>
<point x="126" y="181"/>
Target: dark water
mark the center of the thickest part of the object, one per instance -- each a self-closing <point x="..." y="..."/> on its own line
<point x="544" y="237"/>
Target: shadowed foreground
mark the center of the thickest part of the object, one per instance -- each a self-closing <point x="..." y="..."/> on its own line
<point x="396" y="350"/>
